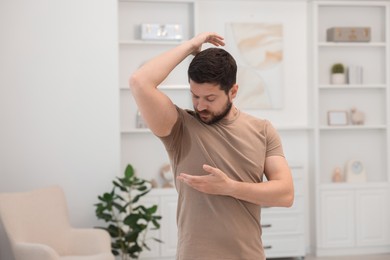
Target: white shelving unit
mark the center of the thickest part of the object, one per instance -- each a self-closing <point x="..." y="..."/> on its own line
<point x="352" y="218"/>
<point x="134" y="52"/>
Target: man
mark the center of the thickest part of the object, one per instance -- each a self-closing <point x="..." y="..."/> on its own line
<point x="218" y="154"/>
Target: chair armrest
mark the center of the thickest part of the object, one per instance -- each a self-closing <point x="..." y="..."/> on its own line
<point x="89" y="241"/>
<point x="31" y="251"/>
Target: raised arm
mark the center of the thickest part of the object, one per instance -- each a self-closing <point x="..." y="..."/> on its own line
<point x="156" y="108"/>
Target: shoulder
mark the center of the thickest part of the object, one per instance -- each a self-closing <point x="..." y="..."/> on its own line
<point x="186" y="119"/>
<point x="186" y="114"/>
<point x="259" y="123"/>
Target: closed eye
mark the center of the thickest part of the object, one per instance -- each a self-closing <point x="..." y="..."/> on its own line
<point x="209" y="98"/>
<point x="195" y="96"/>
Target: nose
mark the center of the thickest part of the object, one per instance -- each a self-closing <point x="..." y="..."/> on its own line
<point x="201" y="105"/>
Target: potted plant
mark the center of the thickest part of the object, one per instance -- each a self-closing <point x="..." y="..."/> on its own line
<point x="338" y="74"/>
<point x="128" y="220"/>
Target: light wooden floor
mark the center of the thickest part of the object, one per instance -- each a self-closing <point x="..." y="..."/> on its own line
<point x="360" y="257"/>
<point x="356" y="257"/>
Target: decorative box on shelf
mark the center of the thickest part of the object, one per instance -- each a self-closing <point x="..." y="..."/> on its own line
<point x="155" y="31"/>
<point x="348" y="34"/>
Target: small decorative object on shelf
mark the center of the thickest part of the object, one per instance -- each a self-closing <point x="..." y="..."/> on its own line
<point x="355" y="74"/>
<point x="167" y="176"/>
<point x="140" y="123"/>
<point x="337" y="175"/>
<point x="155" y="31"/>
<point x="355" y="171"/>
<point x="348" y="34"/>
<point x="338" y="74"/>
<point x="153" y="183"/>
<point x="357" y="117"/>
<point x="337" y="118"/>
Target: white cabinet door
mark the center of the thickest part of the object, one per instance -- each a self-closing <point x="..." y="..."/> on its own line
<point x="337" y="219"/>
<point x="168" y="226"/>
<point x="372" y="214"/>
<point x="153" y="245"/>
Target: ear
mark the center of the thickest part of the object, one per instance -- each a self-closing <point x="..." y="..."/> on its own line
<point x="234" y="90"/>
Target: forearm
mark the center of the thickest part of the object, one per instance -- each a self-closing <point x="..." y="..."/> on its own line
<point x="274" y="193"/>
<point x="278" y="191"/>
<point x="152" y="73"/>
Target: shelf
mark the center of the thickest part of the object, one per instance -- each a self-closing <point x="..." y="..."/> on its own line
<point x="353" y="127"/>
<point x="351" y="44"/>
<point x="165" y="87"/>
<point x="349" y="186"/>
<point x="141" y="42"/>
<point x="294" y="128"/>
<point x="174" y="87"/>
<point x="136" y="131"/>
<point x="350" y="86"/>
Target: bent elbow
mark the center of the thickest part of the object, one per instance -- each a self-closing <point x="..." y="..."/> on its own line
<point x="137" y="81"/>
<point x="289" y="196"/>
<point x="289" y="201"/>
<point x="133" y="81"/>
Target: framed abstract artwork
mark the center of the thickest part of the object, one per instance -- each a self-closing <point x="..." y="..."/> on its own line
<point x="258" y="49"/>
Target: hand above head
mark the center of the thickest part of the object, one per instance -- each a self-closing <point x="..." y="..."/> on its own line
<point x="216" y="182"/>
<point x="206" y="37"/>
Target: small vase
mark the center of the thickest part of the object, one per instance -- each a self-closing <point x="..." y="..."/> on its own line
<point x="337" y="176"/>
<point x="338" y="78"/>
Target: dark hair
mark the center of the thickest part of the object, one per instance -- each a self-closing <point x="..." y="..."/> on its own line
<point x="214" y="65"/>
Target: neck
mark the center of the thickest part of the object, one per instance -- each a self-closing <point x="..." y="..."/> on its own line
<point x="232" y="113"/>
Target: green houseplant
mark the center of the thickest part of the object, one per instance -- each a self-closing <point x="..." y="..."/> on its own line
<point x="338" y="68"/>
<point x="127" y="219"/>
<point x="338" y="73"/>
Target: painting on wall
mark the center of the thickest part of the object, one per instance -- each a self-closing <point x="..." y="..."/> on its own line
<point x="258" y="50"/>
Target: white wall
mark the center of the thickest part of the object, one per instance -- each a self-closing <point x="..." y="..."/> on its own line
<point x="59" y="100"/>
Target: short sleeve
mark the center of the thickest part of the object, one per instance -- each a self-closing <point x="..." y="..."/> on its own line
<point x="274" y="144"/>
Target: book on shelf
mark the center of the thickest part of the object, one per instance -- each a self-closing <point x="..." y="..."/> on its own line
<point x="355" y="74"/>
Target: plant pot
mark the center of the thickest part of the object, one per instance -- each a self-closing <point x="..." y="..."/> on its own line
<point x="338" y="78"/>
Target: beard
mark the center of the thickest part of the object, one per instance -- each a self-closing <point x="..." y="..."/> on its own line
<point x="214" y="117"/>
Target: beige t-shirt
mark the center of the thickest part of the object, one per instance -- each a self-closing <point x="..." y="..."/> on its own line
<point x="213" y="227"/>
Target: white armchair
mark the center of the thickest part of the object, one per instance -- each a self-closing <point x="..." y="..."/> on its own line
<point x="38" y="228"/>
